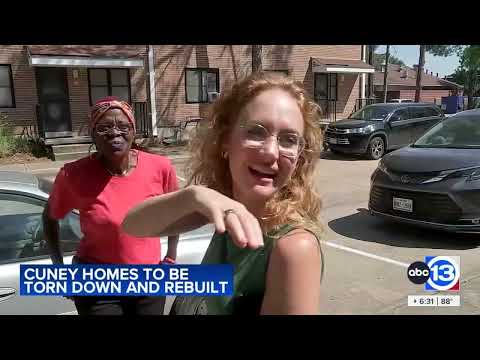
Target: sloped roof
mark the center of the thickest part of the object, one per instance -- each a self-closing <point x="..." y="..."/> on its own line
<point x="406" y="76"/>
<point x="111" y="51"/>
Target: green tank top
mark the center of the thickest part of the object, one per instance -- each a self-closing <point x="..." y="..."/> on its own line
<point x="250" y="269"/>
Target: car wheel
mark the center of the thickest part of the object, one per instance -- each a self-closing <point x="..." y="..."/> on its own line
<point x="376" y="148"/>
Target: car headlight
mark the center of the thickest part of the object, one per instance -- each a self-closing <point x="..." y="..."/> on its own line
<point x="470" y="174"/>
<point x="382" y="167"/>
<point x="365" y="130"/>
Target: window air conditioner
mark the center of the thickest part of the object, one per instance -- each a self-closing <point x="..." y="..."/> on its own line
<point x="212" y="96"/>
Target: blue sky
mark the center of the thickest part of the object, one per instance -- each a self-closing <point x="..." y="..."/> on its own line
<point x="409" y="55"/>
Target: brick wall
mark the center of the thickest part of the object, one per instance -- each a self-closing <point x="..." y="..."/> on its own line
<point x="80" y="97"/>
<point x="428" y="96"/>
<point x="26" y="98"/>
<point x="79" y="100"/>
<point x="296" y="58"/>
<point x="23" y="115"/>
<point x="79" y="89"/>
<point x="234" y="62"/>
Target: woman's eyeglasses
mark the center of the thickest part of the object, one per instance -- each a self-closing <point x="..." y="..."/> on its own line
<point x="103" y="130"/>
<point x="290" y="144"/>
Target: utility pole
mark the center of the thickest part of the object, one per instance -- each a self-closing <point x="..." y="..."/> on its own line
<point x="370" y="76"/>
<point x="385" y="73"/>
<point x="256" y="58"/>
<point x="421" y="64"/>
<point x="152" y="129"/>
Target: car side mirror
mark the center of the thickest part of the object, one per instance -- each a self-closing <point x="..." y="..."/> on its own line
<point x="394" y="118"/>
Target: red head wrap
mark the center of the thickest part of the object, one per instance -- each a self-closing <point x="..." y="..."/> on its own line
<point x="103" y="105"/>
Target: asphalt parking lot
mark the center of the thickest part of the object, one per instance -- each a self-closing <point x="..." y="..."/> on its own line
<point x="366" y="258"/>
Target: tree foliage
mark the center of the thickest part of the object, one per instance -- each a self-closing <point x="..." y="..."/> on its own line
<point x="379" y="60"/>
<point x="443" y="50"/>
<point x="468" y="72"/>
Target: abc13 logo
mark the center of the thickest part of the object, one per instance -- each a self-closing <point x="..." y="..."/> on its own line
<point x="438" y="273"/>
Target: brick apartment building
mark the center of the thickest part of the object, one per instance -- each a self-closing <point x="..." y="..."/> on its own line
<point x="401" y="84"/>
<point x="46" y="90"/>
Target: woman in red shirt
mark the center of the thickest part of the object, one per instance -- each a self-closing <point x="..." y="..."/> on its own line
<point x="103" y="187"/>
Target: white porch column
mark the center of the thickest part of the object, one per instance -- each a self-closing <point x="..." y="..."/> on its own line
<point x="153" y="102"/>
<point x="364" y="82"/>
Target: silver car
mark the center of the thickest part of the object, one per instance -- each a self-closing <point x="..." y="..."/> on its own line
<point x="21" y="242"/>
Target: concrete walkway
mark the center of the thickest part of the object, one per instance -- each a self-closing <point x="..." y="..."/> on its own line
<point x="40" y="166"/>
<point x="46" y="170"/>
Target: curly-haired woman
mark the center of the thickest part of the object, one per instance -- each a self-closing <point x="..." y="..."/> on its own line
<point x="252" y="176"/>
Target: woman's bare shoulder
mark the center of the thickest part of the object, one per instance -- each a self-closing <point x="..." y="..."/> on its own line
<point x="297" y="246"/>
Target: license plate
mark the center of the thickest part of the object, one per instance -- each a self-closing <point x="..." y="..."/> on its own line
<point x="402" y="204"/>
<point x="332" y="140"/>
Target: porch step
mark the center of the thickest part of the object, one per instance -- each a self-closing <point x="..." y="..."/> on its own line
<point x="72" y="156"/>
<point x="68" y="140"/>
<point x="69" y="152"/>
<point x="61" y="149"/>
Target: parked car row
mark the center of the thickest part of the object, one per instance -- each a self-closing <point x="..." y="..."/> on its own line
<point x="433" y="177"/>
<point x="434" y="182"/>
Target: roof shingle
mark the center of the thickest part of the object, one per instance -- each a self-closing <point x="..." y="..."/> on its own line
<point x="405" y="76"/>
<point x="111" y="51"/>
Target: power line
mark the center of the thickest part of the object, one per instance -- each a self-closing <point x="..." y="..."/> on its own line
<point x="395" y="52"/>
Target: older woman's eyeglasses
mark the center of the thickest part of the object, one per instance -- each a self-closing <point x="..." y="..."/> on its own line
<point x="290" y="144"/>
<point x="106" y="129"/>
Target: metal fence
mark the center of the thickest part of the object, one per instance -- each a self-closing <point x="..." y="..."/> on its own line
<point x="39" y="111"/>
<point x="328" y="109"/>
<point x="142" y="123"/>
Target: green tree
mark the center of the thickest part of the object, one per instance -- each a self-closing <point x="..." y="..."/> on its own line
<point x="443" y="50"/>
<point x="468" y="72"/>
<point x="380" y="60"/>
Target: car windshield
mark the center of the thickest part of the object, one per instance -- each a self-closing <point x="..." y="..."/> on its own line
<point x="456" y="132"/>
<point x="371" y="113"/>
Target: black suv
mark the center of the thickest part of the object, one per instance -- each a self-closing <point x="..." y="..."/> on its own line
<point x="380" y="127"/>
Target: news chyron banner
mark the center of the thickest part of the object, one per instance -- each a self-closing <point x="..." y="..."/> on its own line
<point x="126" y="280"/>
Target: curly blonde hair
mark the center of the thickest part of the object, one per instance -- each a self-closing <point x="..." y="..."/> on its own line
<point x="296" y="203"/>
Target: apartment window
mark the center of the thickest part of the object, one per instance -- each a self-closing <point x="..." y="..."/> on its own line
<point x="200" y="82"/>
<point x="109" y="82"/>
<point x="325" y="87"/>
<point x="7" y="99"/>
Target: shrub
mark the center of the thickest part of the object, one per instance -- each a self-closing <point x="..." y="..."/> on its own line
<point x="11" y="144"/>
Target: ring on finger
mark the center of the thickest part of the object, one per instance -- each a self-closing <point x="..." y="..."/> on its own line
<point x="227" y="212"/>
